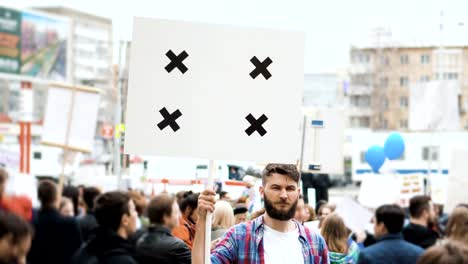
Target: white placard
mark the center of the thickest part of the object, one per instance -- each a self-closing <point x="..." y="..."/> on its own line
<point x="214" y="91"/>
<point x="323" y="144"/>
<point x="377" y="190"/>
<point x="355" y="216"/>
<point x="457" y="180"/>
<point x="9" y="159"/>
<point x="83" y="118"/>
<point x="434" y="106"/>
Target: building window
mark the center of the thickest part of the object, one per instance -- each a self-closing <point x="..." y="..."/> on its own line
<point x="385" y="103"/>
<point x="404" y="81"/>
<point x="404" y="59"/>
<point x="364" y="122"/>
<point x="361" y="58"/>
<point x="404" y="102"/>
<point x="384" y="60"/>
<point x="385" y="124"/>
<point x="450" y="76"/>
<point x="435" y="153"/>
<point x="425" y="59"/>
<point x="384" y="82"/>
<point x="424" y="78"/>
<point x="361" y="101"/>
<point x="404" y="123"/>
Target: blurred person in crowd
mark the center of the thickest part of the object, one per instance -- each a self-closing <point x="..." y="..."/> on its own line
<point x="56" y="237"/>
<point x="335" y="233"/>
<point x="66" y="207"/>
<point x="116" y="216"/>
<point x="300" y="214"/>
<point x="249" y="191"/>
<point x="240" y="214"/>
<point x="224" y="196"/>
<point x="19" y="205"/>
<point x="452" y="252"/>
<point x="88" y="223"/>
<point x="73" y="193"/>
<point x="310" y="213"/>
<point x="441" y="216"/>
<point x="421" y="230"/>
<point x="186" y="228"/>
<point x="15" y="238"/>
<point x="158" y="245"/>
<point x="390" y="246"/>
<point x="242" y="201"/>
<point x="319" y="205"/>
<point x="140" y="204"/>
<point x="180" y="196"/>
<point x="457" y="226"/>
<point x="223" y="219"/>
<point x="274" y="237"/>
<point x="324" y="211"/>
<point x="257" y="214"/>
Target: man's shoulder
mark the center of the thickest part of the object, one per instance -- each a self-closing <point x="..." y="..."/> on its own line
<point x="393" y="245"/>
<point x="312" y="236"/>
<point x="161" y="240"/>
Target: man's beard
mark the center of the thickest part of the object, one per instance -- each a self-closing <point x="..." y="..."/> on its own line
<point x="279" y="214"/>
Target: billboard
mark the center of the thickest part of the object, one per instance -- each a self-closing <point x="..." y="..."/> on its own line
<point x="33" y="44"/>
<point x="10" y="40"/>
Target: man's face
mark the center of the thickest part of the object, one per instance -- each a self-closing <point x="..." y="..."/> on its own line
<point x="379" y="228"/>
<point x="280" y="195"/>
<point x="173" y="220"/>
<point x="22" y="248"/>
<point x="430" y="214"/>
<point x="7" y="250"/>
<point x="129" y="220"/>
<point x="11" y="252"/>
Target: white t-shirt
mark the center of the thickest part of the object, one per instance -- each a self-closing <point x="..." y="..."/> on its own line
<point x="282" y="248"/>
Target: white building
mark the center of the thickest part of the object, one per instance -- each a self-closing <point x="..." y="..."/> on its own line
<point x="91" y="55"/>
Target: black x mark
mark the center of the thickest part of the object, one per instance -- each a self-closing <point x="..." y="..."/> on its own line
<point x="256" y="125"/>
<point x="261" y="68"/>
<point x="169" y="119"/>
<point x="176" y="61"/>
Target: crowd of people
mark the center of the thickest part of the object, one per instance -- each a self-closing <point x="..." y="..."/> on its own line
<point x="84" y="225"/>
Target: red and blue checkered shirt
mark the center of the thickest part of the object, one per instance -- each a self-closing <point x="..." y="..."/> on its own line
<point x="243" y="244"/>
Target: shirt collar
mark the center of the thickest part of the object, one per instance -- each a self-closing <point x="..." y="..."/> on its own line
<point x="259" y="228"/>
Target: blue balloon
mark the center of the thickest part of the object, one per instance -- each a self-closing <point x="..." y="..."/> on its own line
<point x="375" y="156"/>
<point x="394" y="146"/>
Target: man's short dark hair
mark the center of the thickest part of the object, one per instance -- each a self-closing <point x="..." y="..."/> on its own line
<point x="14" y="225"/>
<point x="283" y="169"/>
<point x="160" y="206"/>
<point x="89" y="195"/>
<point x="47" y="193"/>
<point x="418" y="204"/>
<point x="110" y="207"/>
<point x="392" y="216"/>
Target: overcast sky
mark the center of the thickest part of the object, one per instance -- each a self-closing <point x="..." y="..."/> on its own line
<point x="331" y="26"/>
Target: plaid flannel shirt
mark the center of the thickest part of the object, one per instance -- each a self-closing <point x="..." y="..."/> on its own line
<point x="243" y="244"/>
